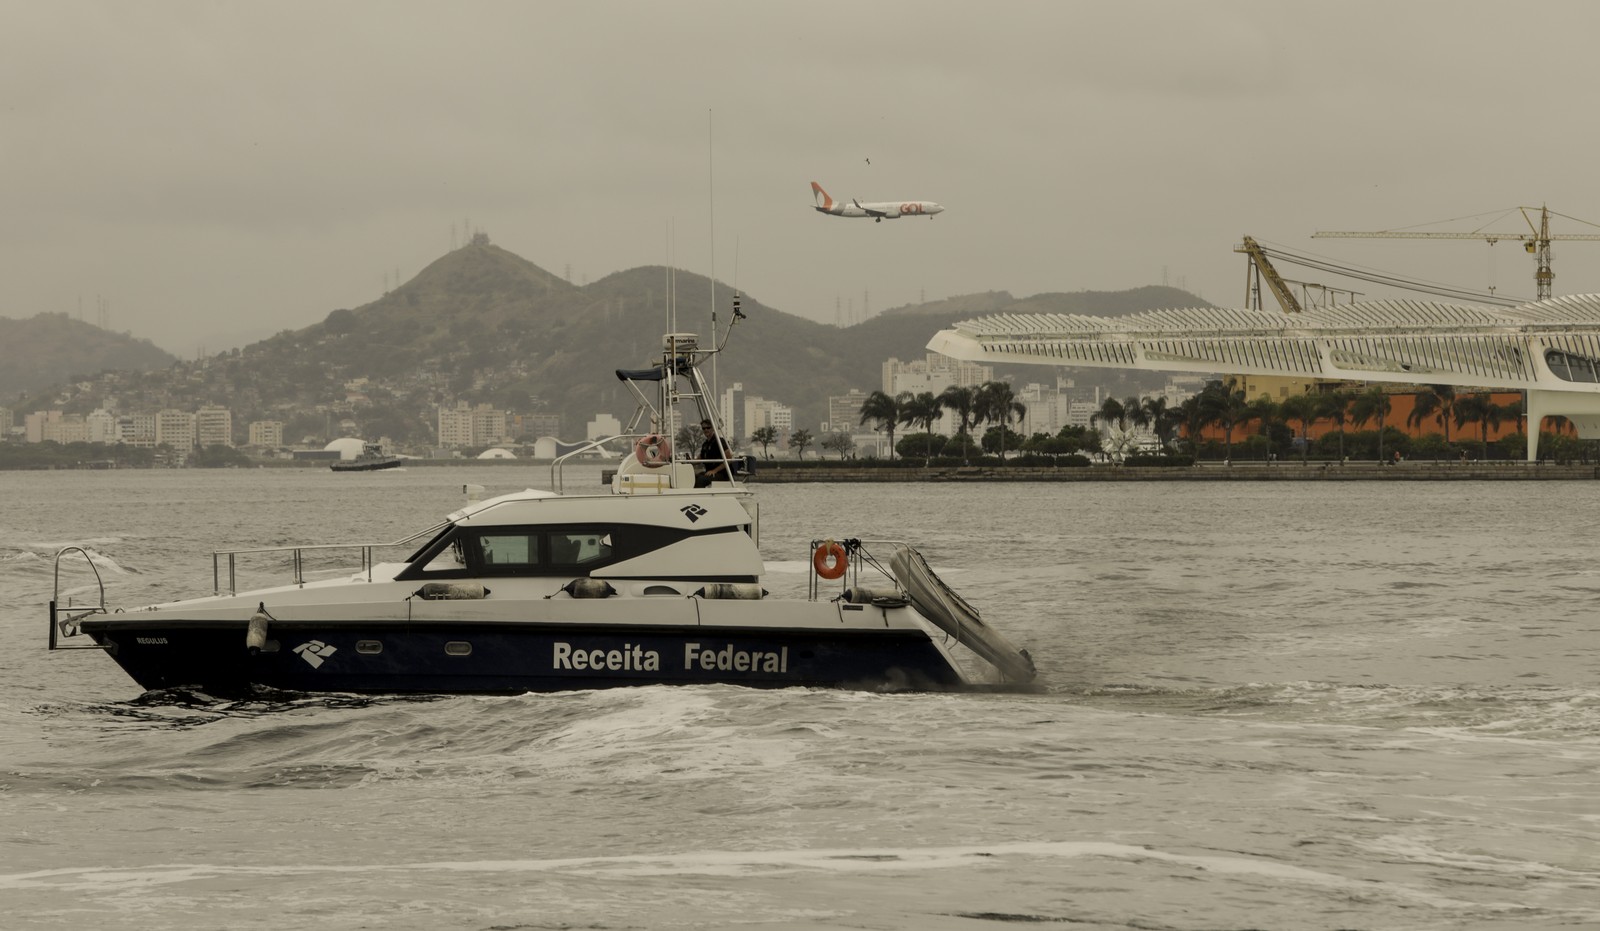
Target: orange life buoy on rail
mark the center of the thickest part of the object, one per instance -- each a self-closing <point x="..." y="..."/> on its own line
<point x="830" y="560"/>
<point x="653" y="451"/>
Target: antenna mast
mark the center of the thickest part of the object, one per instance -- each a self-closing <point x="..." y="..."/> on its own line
<point x="711" y="210"/>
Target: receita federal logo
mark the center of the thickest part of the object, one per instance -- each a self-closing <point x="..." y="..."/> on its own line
<point x="315" y="651"/>
<point x="693" y="511"/>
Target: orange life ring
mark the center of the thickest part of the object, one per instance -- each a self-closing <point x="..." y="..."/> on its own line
<point x="653" y="451"/>
<point x="830" y="560"/>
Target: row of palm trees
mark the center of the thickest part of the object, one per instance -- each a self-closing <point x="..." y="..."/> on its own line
<point x="1224" y="406"/>
<point x="1220" y="404"/>
<point x="991" y="402"/>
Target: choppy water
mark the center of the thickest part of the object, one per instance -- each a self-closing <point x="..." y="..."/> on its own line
<point x="1287" y="706"/>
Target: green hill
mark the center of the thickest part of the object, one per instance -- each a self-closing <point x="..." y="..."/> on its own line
<point x="486" y="325"/>
<point x="483" y="325"/>
<point x="50" y="349"/>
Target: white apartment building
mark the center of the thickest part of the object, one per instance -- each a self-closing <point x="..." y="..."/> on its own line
<point x="735" y="420"/>
<point x="137" y="430"/>
<point x="175" y="428"/>
<point x="760" y="412"/>
<point x="33" y="424"/>
<point x="266" y="433"/>
<point x="71" y="428"/>
<point x="213" y="426"/>
<point x="102" y="426"/>
<point x="602" y="425"/>
<point x="933" y="374"/>
<point x="465" y="425"/>
<point x="488" y="426"/>
<point x="844" y="412"/>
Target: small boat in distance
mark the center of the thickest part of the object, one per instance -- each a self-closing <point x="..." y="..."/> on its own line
<point x="371" y="459"/>
<point x="657" y="580"/>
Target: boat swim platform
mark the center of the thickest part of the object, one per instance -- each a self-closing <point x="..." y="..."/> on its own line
<point x="1549" y="349"/>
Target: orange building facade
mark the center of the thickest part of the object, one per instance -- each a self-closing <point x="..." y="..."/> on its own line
<point x="1401" y="406"/>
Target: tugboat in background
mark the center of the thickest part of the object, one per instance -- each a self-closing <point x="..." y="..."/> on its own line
<point x="372" y="459"/>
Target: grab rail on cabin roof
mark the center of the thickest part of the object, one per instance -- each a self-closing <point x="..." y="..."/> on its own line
<point x="561" y="460"/>
<point x="297" y="558"/>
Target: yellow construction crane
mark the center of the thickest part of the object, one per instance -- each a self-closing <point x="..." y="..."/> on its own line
<point x="1537" y="242"/>
<point x="1260" y="268"/>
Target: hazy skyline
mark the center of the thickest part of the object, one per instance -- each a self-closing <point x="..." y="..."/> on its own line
<point x="218" y="172"/>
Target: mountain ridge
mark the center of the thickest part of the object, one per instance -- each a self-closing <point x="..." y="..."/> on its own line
<point x="484" y="325"/>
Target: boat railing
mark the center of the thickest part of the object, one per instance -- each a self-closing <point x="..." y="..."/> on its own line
<point x="736" y="465"/>
<point x="915" y="584"/>
<point x="857" y="553"/>
<point x="228" y="560"/>
<point x="64" y="618"/>
<point x="561" y="460"/>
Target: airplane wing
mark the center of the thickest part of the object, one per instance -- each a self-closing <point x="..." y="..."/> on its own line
<point x="868" y="210"/>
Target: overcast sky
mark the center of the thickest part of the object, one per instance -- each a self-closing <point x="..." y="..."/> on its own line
<point x="216" y="172"/>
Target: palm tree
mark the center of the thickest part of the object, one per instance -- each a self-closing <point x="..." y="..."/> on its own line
<point x="1161" y="419"/>
<point x="1438" y="402"/>
<point x="1334" y="407"/>
<point x="1265" y="410"/>
<point x="1194" y="417"/>
<point x="1111" y="411"/>
<point x="1115" y="413"/>
<point x="924" y="410"/>
<point x="885" y="411"/>
<point x="1374" y="402"/>
<point x="963" y="401"/>
<point x="1425" y="407"/>
<point x="1135" y="410"/>
<point x="1301" y="407"/>
<point x="799" y="440"/>
<point x="997" y="403"/>
<point x="1474" y="408"/>
<point x="1501" y="413"/>
<point x="1480" y="409"/>
<point x="766" y="436"/>
<point x="1224" y="405"/>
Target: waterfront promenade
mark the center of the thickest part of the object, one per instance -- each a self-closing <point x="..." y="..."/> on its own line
<point x="1283" y="471"/>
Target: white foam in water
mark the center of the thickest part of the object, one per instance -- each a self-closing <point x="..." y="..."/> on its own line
<point x="852" y="861"/>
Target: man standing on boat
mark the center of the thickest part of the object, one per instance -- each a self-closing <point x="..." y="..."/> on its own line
<point x="714" y="456"/>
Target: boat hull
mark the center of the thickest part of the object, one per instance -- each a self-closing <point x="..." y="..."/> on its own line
<point x="356" y="465"/>
<point x="457" y="657"/>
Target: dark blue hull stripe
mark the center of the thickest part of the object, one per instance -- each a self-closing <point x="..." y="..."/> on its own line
<point x="502" y="658"/>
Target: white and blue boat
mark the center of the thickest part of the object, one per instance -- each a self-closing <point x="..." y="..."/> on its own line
<point x="652" y="581"/>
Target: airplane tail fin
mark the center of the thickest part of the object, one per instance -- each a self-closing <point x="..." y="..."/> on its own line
<point x="824" y="202"/>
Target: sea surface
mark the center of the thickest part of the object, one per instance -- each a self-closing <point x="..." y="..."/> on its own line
<point x="1266" y="706"/>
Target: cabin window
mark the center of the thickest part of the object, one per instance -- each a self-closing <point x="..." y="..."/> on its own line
<point x="458" y="648"/>
<point x="509" y="550"/>
<point x="554" y="550"/>
<point x="369" y="646"/>
<point x="579" y="549"/>
<point x="442" y="554"/>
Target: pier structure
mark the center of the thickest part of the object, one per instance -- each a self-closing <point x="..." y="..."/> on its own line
<point x="1549" y="349"/>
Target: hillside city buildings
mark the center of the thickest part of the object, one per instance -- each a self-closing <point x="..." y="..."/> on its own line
<point x="462" y="425"/>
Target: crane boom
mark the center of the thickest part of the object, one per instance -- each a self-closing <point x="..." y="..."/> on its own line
<point x="1537" y="242"/>
<point x="1264" y="269"/>
<point x="1491" y="237"/>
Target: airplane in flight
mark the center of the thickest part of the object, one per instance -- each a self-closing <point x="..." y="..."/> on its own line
<point x="877" y="211"/>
